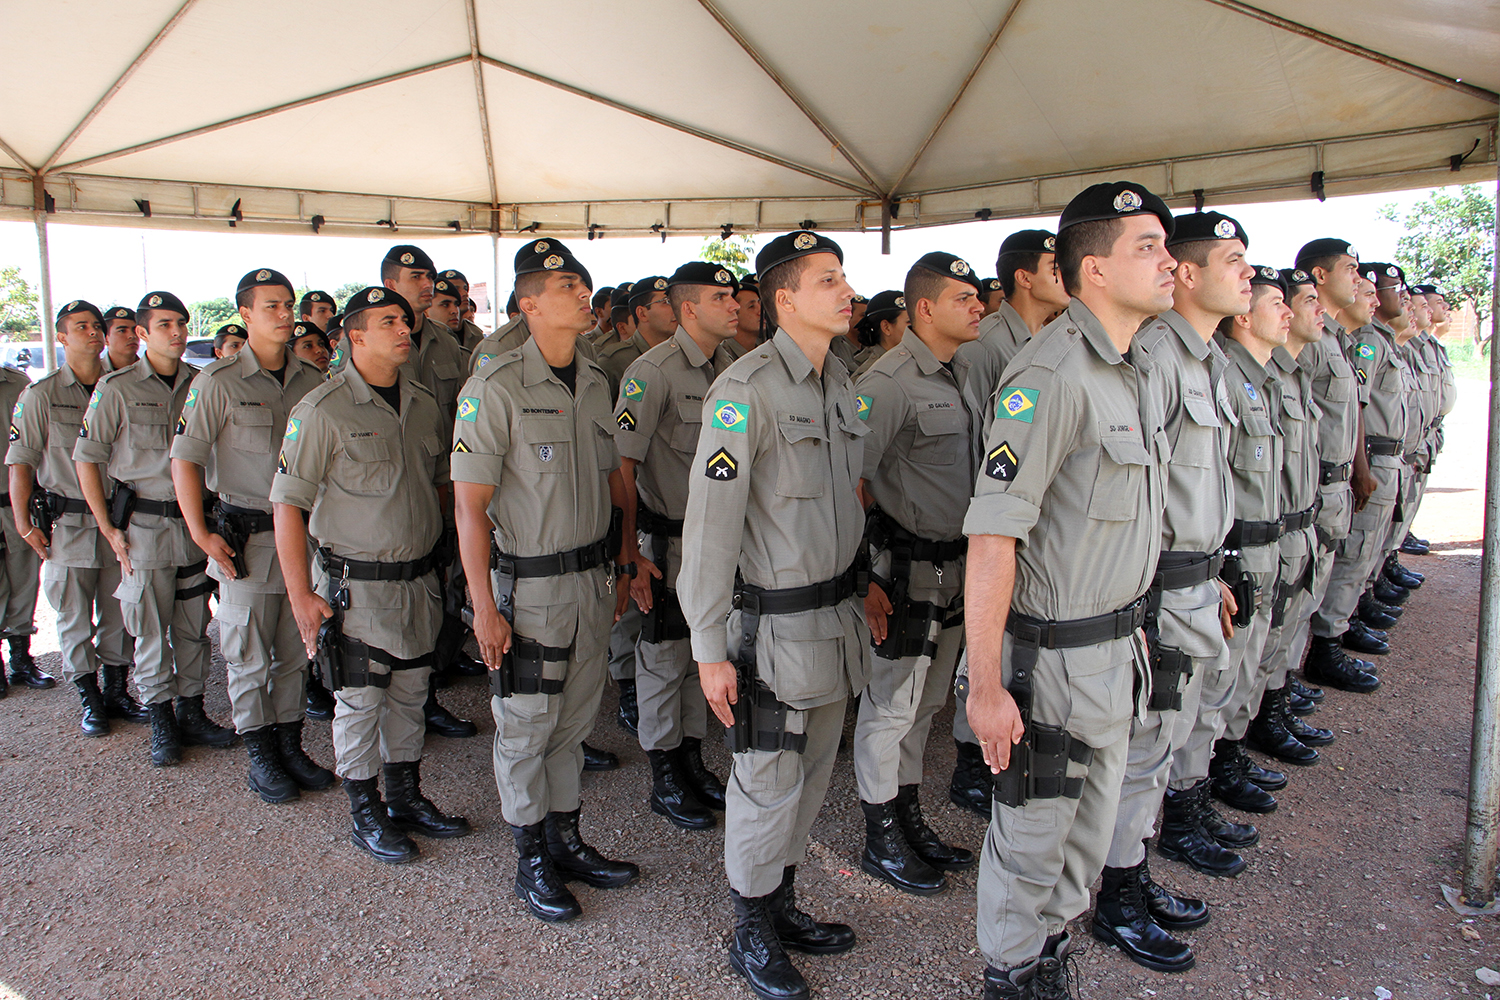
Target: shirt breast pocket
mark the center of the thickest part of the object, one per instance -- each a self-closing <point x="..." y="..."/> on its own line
<point x="249" y="429"/>
<point x="367" y="468"/>
<point x="802" y="465"/>
<point x="1341" y="384"/>
<point x="689" y="426"/>
<point x="940" y="438"/>
<point x="1195" y="441"/>
<point x="1253" y="449"/>
<point x="1121" y="478"/>
<point x="62" y="428"/>
<point x="548" y="446"/>
<point x="148" y="428"/>
<point x="445" y="373"/>
<point x="432" y="447"/>
<point x="1391" y="380"/>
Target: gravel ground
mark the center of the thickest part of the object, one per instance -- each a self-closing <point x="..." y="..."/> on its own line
<point x="121" y="880"/>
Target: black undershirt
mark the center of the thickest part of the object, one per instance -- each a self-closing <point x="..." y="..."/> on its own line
<point x="391" y="394"/>
<point x="170" y="380"/>
<point x="279" y="374"/>
<point x="568" y="375"/>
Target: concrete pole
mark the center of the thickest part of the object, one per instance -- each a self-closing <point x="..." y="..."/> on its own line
<point x="48" y="337"/>
<point x="1482" y="838"/>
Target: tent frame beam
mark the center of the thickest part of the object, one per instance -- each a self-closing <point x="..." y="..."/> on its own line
<point x="472" y="17"/>
<point x="10" y="152"/>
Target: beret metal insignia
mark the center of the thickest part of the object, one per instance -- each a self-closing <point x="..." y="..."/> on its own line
<point x="959" y="267"/>
<point x="1224" y="230"/>
<point x="722" y="277"/>
<point x="541" y="246"/>
<point x="992" y="284"/>
<point x="901" y="300"/>
<point x="804" y="241"/>
<point x="1050" y="243"/>
<point x="450" y="274"/>
<point x="553" y="262"/>
<point x="1391" y="272"/>
<point x="376" y="294"/>
<point x="442" y="286"/>
<point x="1268" y="272"/>
<point x="660" y="284"/>
<point x="154" y="301"/>
<point x="262" y="275"/>
<point x="1300" y="276"/>
<point x="1127" y="201"/>
<point x="1351" y="251"/>
<point x="71" y="306"/>
<point x="407" y="258"/>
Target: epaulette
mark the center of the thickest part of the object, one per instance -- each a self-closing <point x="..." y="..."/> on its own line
<point x="614" y="349"/>
<point x="423" y="387"/>
<point x="110" y="376"/>
<point x="219" y="364"/>
<point x="749" y="364"/>
<point x="15" y="371"/>
<point x="656" y="355"/>
<point x="1055" y="346"/>
<point x="1152" y="335"/>
<point x="323" y="389"/>
<point x="487" y="369"/>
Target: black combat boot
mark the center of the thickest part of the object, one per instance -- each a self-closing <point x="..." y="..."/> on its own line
<point x="1271" y="781"/>
<point x="577" y="861"/>
<point x="1306" y="734"/>
<point x="888" y="856"/>
<point x="1304" y="690"/>
<point x="23" y="669"/>
<point x="1269" y="735"/>
<point x="197" y="729"/>
<point x="703" y="782"/>
<point x="1389" y="593"/>
<point x="93" y="720"/>
<point x="373" y="832"/>
<point x="973" y="784"/>
<point x="1327" y="663"/>
<point x="1053" y="968"/>
<point x="166" y="745"/>
<point x="538" y="883"/>
<point x="414" y="812"/>
<point x="1009" y="984"/>
<point x="118" y="703"/>
<point x="1368" y="600"/>
<point x="670" y="796"/>
<point x="1184" y="839"/>
<point x="1170" y="911"/>
<point x="755" y="952"/>
<point x="800" y="931"/>
<point x="1400" y="575"/>
<point x="302" y="769"/>
<point x="597" y="759"/>
<point x="442" y="722"/>
<point x="1235" y="836"/>
<point x="1230" y="781"/>
<point x="1363" y="639"/>
<point x="1414" y="546"/>
<point x="629" y="713"/>
<point x="1122" y="919"/>
<point x="1370" y="614"/>
<point x="1296" y="704"/>
<point x="268" y="778"/>
<point x="318" y="703"/>
<point x="923" y="839"/>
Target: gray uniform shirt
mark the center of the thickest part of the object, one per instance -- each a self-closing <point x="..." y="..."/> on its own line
<point x="1002" y="334"/>
<point x="1383" y="375"/>
<point x="1299" y="442"/>
<point x="510" y="337"/>
<point x="1256" y="454"/>
<point x="618" y="357"/>
<point x="43" y="430"/>
<point x="439" y="363"/>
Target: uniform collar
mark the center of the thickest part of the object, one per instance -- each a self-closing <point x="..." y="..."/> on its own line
<point x="250" y="364"/>
<point x="1246" y="361"/>
<point x="690" y="348"/>
<point x="1190" y="337"/>
<point x="535" y="370"/>
<point x="1333" y="326"/>
<point x="927" y="362"/>
<point x="1082" y="317"/>
<point x="1013" y="319"/>
<point x="361" y="390"/>
<point x="797" y="364"/>
<point x="1284" y="360"/>
<point x="142" y="369"/>
<point x="640" y="342"/>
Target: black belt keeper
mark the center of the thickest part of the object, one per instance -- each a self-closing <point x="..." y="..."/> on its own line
<point x="247" y="519"/>
<point x="1301" y="519"/>
<point x="521" y="670"/>
<point x="1248" y="534"/>
<point x="1180" y="570"/>
<point x="358" y="569"/>
<point x="1381" y="445"/>
<point x="1328" y="473"/>
<point x="1169" y="667"/>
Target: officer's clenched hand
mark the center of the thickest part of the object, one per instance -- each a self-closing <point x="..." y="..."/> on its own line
<point x="640" y="584"/>
<point x="720" y="688"/>
<point x="493" y="633"/>
<point x="877" y="607"/>
<point x="37" y="541"/>
<point x="120" y="544"/>
<point x="311" y="611"/>
<point x="995" y="719"/>
<point x="219" y="551"/>
<point x="1363" y="487"/>
<point x="1227" y="610"/>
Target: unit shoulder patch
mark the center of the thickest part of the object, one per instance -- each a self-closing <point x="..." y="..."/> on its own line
<point x="721" y="466"/>
<point x="1001" y="463"/>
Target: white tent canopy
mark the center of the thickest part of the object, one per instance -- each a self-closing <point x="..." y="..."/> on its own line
<point x="355" y="116"/>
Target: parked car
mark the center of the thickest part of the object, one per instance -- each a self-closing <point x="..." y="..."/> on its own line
<point x="199" y="352"/>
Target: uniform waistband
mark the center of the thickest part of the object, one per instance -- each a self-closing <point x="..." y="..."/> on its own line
<point x="1382" y="445"/>
<point x="885" y="531"/>
<point x="790" y="600"/>
<point x="360" y="569"/>
<point x="572" y="561"/>
<point x="1300" y="519"/>
<point x="1243" y="534"/>
<point x="1180" y="570"/>
<point x="248" y="519"/>
<point x="1041" y="634"/>
<point x="652" y="523"/>
<point x="1329" y="473"/>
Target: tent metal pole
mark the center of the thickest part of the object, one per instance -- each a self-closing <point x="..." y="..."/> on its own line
<point x="43" y="254"/>
<point x="495" y="302"/>
<point x="1482" y="838"/>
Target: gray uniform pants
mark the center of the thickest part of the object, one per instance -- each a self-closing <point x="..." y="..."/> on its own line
<point x="773" y="798"/>
<point x="1245" y="663"/>
<point x="18" y="583"/>
<point x="961" y="730"/>
<point x="1358" y="555"/>
<point x="267" y="663"/>
<point x="374" y="725"/>
<point x="895" y="716"/>
<point x="171" y="638"/>
<point x="90" y="627"/>
<point x="667" y="689"/>
<point x="1276" y="656"/>
<point x="623" y="636"/>
<point x="1322" y="570"/>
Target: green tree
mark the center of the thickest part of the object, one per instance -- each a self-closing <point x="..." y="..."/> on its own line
<point x="209" y="315"/>
<point x="17" y="303"/>
<point x="734" y="253"/>
<point x="346" y="291"/>
<point x="1450" y="241"/>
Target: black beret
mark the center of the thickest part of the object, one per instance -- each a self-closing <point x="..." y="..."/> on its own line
<point x="313" y="297"/>
<point x="1197" y="226"/>
<point x="81" y="306"/>
<point x="645" y="288"/>
<point x="748" y="284"/>
<point x="452" y="275"/>
<point x="555" y="257"/>
<point x="263" y="276"/>
<point x="884" y="305"/>
<point x="621" y="295"/>
<point x="702" y="272"/>
<point x="444" y="286"/>
<point x="1426" y="289"/>
<point x="533" y="247"/>
<point x="374" y="298"/>
<point x="1326" y="247"/>
<point x="1375" y="270"/>
<point x="1291" y="277"/>
<point x="948" y="266"/>
<point x="992" y="285"/>
<point x="160" y="300"/>
<point x="1030" y="241"/>
<point x="1118" y="200"/>
<point x="1267" y="275"/>
<point x="231" y="330"/>
<point x="791" y="246"/>
<point x="859" y="300"/>
<point x="335" y="323"/>
<point x="119" y="312"/>
<point x="407" y="255"/>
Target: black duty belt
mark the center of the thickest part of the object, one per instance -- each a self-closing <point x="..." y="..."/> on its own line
<point x="1330" y="473"/>
<point x="1300" y="519"/>
<point x="359" y="569"/>
<point x="158" y="508"/>
<point x="1382" y="445"/>
<point x="1247" y="534"/>
<point x="1180" y="570"/>
<point x="1039" y="634"/>
<point x="650" y="522"/>
<point x="885" y="532"/>
<point x="65" y="505"/>
<point x="790" y="600"/>
<point x="250" y="520"/>
<point x="577" y="560"/>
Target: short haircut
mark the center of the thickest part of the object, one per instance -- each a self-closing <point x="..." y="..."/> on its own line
<point x="921" y="283"/>
<point x="142" y="317"/>
<point x="601" y="298"/>
<point x="528" y="286"/>
<point x="511" y="305"/>
<point x="620" y="314"/>
<point x="1193" y="252"/>
<point x="1007" y="264"/>
<point x="788" y="275"/>
<point x="389" y="271"/>
<point x="223" y="335"/>
<point x="678" y="294"/>
<point x="1326" y="263"/>
<point x="1084" y="239"/>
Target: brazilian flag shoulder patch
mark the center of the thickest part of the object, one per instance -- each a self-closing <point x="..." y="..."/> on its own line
<point x="634" y="389"/>
<point x="94" y="400"/>
<point x="730" y="416"/>
<point x="1017" y="404"/>
<point x="468" y="409"/>
<point x="1366" y="351"/>
<point x="192" y="399"/>
<point x="862" y="407"/>
<point x="293" y="428"/>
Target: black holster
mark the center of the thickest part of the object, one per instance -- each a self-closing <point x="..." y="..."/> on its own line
<point x="1039" y="766"/>
<point x="665" y="622"/>
<point x="1242" y="584"/>
<point x="759" y="717"/>
<point x="228" y="527"/>
<point x="42" y="514"/>
<point x="330" y="652"/>
<point x="523" y="670"/>
<point x="908" y="628"/>
<point x="121" y="505"/>
<point x="1170" y="666"/>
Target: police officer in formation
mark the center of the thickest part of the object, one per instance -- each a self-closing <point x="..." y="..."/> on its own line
<point x="1113" y="498"/>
